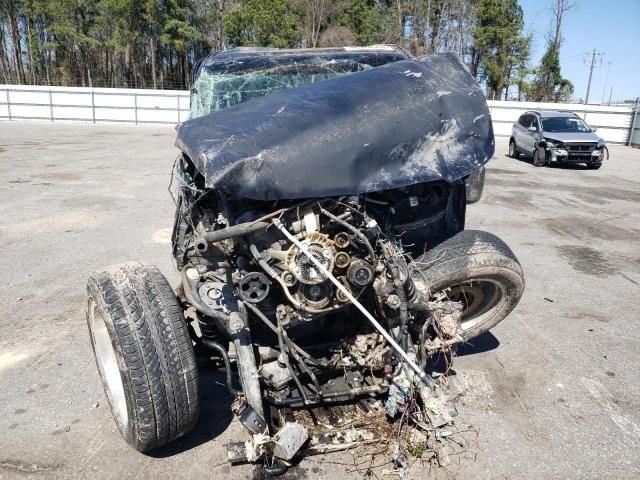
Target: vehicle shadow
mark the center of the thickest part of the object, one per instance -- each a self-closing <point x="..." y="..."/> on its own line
<point x="562" y="166"/>
<point x="484" y="343"/>
<point x="441" y="361"/>
<point x="215" y="416"/>
<point x="568" y="166"/>
<point x="522" y="158"/>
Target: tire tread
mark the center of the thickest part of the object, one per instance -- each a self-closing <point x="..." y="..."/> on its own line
<point x="157" y="361"/>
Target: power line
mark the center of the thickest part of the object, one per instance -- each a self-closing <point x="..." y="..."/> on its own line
<point x="594" y="52"/>
<point x="579" y="55"/>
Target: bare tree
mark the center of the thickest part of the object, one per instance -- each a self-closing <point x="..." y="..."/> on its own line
<point x="314" y="14"/>
<point x="558" y="9"/>
<point x="11" y="9"/>
<point x="4" y="58"/>
<point x="337" y="36"/>
<point x="549" y="84"/>
<point x="215" y="11"/>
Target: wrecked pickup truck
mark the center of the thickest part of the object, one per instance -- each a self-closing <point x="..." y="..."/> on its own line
<point x="319" y="234"/>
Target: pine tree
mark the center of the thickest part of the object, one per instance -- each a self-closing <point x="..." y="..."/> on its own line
<point x="262" y="23"/>
<point x="363" y="17"/>
<point x="549" y="85"/>
<point x="499" y="43"/>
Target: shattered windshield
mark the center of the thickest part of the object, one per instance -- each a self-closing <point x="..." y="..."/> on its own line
<point x="229" y="80"/>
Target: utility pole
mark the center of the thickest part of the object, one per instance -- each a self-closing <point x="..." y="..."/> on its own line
<point x="632" y="129"/>
<point x="606" y="80"/>
<point x="594" y="52"/>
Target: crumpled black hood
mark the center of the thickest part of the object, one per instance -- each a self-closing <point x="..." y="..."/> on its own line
<point x="391" y="126"/>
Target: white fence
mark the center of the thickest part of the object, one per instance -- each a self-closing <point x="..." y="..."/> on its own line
<point x="613" y="123"/>
<point x="124" y="105"/>
<point x="95" y="105"/>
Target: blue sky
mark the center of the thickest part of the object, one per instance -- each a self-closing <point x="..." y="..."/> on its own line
<point x="611" y="26"/>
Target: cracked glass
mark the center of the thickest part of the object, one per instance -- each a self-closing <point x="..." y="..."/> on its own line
<point x="227" y="79"/>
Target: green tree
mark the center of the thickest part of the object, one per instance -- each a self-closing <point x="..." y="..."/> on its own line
<point x="153" y="15"/>
<point x="213" y="13"/>
<point x="549" y="85"/>
<point x="123" y="26"/>
<point x="363" y="17"/>
<point x="499" y="43"/>
<point x="180" y="34"/>
<point x="262" y="23"/>
<point x="70" y="38"/>
<point x="522" y="81"/>
<point x="517" y="62"/>
<point x="155" y="43"/>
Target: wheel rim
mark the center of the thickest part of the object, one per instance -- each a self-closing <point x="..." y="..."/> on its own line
<point x="512" y="149"/>
<point x="478" y="296"/>
<point x="107" y="363"/>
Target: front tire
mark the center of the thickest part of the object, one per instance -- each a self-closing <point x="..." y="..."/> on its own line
<point x="480" y="270"/>
<point x="144" y="354"/>
<point x="513" y="149"/>
<point x="539" y="157"/>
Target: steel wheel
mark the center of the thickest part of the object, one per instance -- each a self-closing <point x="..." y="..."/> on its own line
<point x="477" y="269"/>
<point x="478" y="296"/>
<point x="107" y="363"/>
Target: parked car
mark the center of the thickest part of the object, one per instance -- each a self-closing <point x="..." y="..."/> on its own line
<point x="556" y="137"/>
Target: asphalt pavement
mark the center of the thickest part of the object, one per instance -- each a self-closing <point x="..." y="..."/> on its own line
<point x="551" y="393"/>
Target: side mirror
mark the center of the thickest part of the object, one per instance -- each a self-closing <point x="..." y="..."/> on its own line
<point x="594" y="129"/>
<point x="532" y="129"/>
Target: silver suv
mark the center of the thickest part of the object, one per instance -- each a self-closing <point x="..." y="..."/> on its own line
<point x="556" y="137"/>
